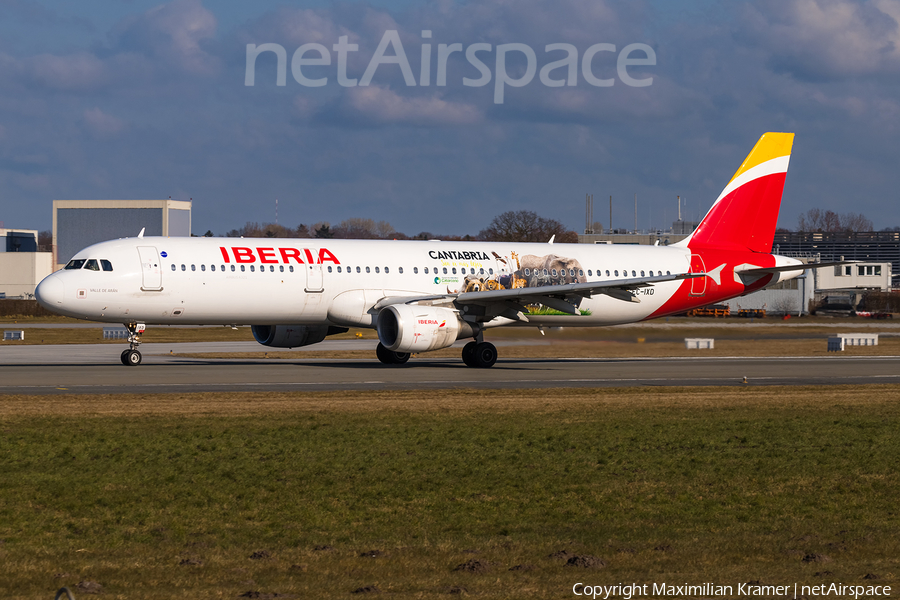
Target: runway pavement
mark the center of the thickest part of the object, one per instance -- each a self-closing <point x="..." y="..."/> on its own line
<point x="95" y="368"/>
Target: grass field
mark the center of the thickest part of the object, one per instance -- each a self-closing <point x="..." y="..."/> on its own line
<point x="318" y="495"/>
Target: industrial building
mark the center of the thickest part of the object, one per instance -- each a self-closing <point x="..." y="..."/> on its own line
<point x="81" y="223"/>
<point x="21" y="266"/>
<point x="867" y="246"/>
<point x="844" y="284"/>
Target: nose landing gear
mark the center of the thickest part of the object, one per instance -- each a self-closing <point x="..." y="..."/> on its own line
<point x="131" y="356"/>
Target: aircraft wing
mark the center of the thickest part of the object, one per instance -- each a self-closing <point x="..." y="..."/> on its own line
<point x="511" y="303"/>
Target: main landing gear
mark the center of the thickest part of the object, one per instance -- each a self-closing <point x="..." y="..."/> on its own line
<point x="481" y="355"/>
<point x="389" y="357"/>
<point x="131" y="356"/>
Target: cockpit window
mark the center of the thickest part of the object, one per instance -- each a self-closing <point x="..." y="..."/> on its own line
<point x="75" y="263"/>
<point x="107" y="266"/>
<point x="92" y="264"/>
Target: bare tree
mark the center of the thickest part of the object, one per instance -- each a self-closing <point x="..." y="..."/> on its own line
<point x="268" y="230"/>
<point x="366" y="229"/>
<point x="45" y="240"/>
<point x="816" y="219"/>
<point x="856" y="222"/>
<point x="525" y="226"/>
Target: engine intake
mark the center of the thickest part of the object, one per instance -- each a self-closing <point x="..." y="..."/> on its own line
<point x="416" y="328"/>
<point x="292" y="336"/>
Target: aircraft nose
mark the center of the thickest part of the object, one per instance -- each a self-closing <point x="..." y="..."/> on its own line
<point x="50" y="292"/>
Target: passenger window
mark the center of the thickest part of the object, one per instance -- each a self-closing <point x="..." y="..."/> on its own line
<point x="368" y="270"/>
<point x="107" y="266"/>
<point x="454" y="270"/>
<point x="642" y="273"/>
<point x="203" y="268"/>
<point x="553" y="272"/>
<point x="329" y="268"/>
<point x="281" y="269"/>
<point x="232" y="268"/>
<point x="416" y="270"/>
<point x="400" y="270"/>
<point x="212" y="267"/>
<point x="339" y="269"/>
<point x="377" y="270"/>
<point x="253" y="268"/>
<point x="667" y="273"/>
<point x="223" y="268"/>
<point x="651" y="273"/>
<point x="183" y="268"/>
<point x="92" y="264"/>
<point x="387" y="271"/>
<point x="243" y="268"/>
<point x="581" y="272"/>
<point x="75" y="264"/>
<point x="490" y="271"/>
<point x="481" y="270"/>
<point x="445" y="270"/>
<point x="633" y="273"/>
<point x="607" y="272"/>
<point x="173" y="266"/>
<point x="291" y="268"/>
<point x="527" y="271"/>
<point x="616" y="273"/>
<point x="193" y="267"/>
<point x="426" y="270"/>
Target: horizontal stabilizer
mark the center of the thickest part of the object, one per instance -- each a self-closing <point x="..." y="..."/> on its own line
<point x="802" y="267"/>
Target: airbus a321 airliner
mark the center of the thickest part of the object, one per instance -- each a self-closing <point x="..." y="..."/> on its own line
<point x="423" y="296"/>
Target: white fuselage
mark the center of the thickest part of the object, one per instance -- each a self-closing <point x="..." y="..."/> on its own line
<point x="232" y="281"/>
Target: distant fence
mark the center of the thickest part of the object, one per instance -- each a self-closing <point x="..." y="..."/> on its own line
<point x="22" y="308"/>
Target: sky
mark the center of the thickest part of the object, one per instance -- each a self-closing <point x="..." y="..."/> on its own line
<point x="542" y="103"/>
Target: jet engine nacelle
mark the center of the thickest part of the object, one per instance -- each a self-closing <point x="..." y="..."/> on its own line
<point x="415" y="328"/>
<point x="292" y="336"/>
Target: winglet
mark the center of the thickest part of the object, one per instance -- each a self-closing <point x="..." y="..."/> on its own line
<point x="141" y="234"/>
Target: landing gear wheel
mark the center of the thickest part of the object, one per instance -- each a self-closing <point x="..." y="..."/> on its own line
<point x="468" y="354"/>
<point x="123" y="357"/>
<point x="485" y="355"/>
<point x="389" y="357"/>
<point x="131" y="358"/>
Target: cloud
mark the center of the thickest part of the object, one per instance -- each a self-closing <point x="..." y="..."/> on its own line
<point x="75" y="72"/>
<point x="174" y="32"/>
<point x="101" y="124"/>
<point x="827" y="39"/>
<point x="377" y="105"/>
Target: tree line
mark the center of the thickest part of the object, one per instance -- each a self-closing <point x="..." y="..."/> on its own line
<point x="511" y="226"/>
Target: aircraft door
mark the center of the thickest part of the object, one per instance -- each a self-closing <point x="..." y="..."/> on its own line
<point x="698" y="284"/>
<point x="314" y="278"/>
<point x="150" y="269"/>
